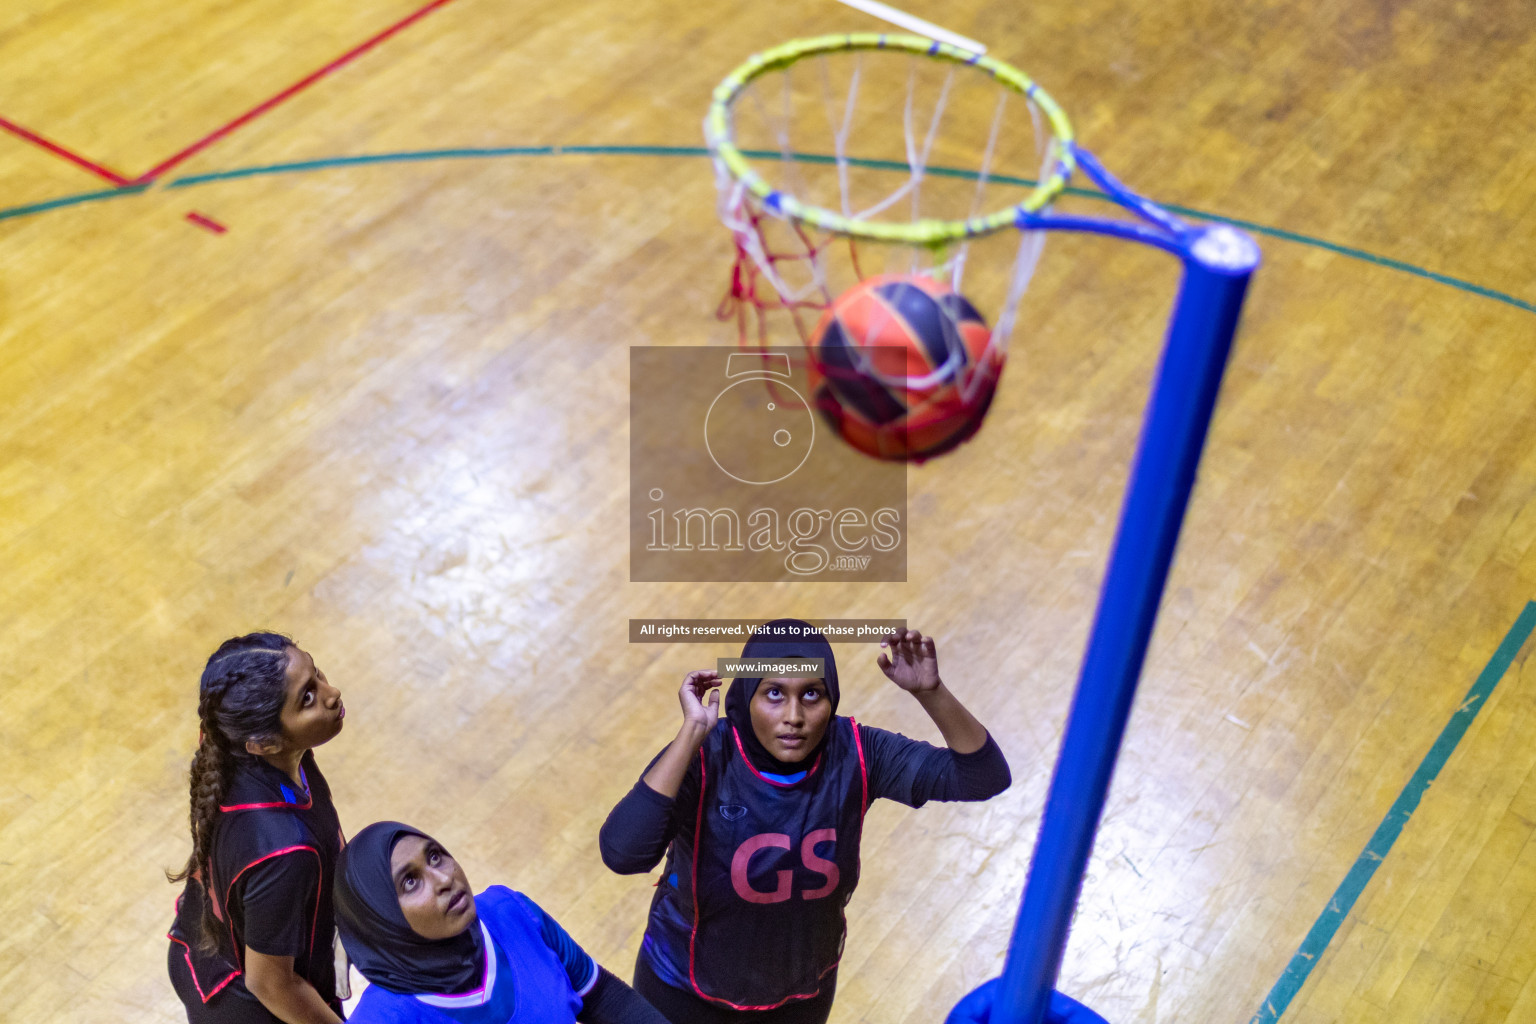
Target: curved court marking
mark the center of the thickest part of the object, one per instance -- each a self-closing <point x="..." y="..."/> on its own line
<point x="1344" y="898"/>
<point x="413" y="156"/>
<point x="1375" y="852"/>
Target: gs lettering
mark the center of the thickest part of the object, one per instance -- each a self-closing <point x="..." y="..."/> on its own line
<point x="781" y="891"/>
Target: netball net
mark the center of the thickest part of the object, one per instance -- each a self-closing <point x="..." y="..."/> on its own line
<point x="820" y="192"/>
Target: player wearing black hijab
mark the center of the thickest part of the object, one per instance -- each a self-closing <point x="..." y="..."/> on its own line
<point x="252" y="942"/>
<point x="760" y="815"/>
<point x="435" y="954"/>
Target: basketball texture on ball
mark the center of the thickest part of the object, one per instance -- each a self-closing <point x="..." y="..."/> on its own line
<point x="900" y="367"/>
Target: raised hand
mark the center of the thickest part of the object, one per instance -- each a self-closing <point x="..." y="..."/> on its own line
<point x="700" y="697"/>
<point x="910" y="661"/>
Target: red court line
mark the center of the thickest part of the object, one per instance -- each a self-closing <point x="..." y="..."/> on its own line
<point x="288" y="93"/>
<point x="58" y="150"/>
<point x="206" y="222"/>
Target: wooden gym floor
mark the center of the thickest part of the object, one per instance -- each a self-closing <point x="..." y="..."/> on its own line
<point x="382" y="406"/>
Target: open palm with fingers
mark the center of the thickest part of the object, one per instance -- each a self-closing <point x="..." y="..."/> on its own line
<point x="700" y="697"/>
<point x="910" y="661"/>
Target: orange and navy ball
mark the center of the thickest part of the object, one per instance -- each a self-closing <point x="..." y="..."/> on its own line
<point x="900" y="367"/>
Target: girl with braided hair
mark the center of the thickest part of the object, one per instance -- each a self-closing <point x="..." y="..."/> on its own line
<point x="252" y="940"/>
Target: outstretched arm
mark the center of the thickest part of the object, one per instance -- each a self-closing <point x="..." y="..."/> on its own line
<point x="911" y="662"/>
<point x="913" y="772"/>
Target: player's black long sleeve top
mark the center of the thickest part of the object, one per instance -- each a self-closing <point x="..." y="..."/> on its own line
<point x="610" y="1001"/>
<point x="912" y="772"/>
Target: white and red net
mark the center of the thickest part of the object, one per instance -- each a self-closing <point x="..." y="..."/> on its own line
<point x="876" y="137"/>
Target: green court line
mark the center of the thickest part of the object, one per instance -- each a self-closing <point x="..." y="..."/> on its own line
<point x="1359" y="254"/>
<point x="1375" y="852"/>
<point x="469" y="153"/>
<point x="75" y="200"/>
<point x="352" y="161"/>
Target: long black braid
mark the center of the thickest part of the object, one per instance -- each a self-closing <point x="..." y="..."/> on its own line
<point x="240" y="698"/>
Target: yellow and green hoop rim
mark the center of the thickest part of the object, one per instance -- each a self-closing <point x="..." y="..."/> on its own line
<point x="930" y="233"/>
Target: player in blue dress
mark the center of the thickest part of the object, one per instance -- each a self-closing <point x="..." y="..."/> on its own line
<point x="760" y="813"/>
<point x="433" y="953"/>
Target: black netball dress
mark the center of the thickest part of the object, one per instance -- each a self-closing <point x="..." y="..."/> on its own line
<point x="273" y="862"/>
<point x="758" y="861"/>
<point x="747" y="922"/>
<point x="770" y="864"/>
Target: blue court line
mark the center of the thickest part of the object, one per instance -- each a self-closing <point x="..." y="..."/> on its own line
<point x="1324" y="928"/>
<point x="468" y="153"/>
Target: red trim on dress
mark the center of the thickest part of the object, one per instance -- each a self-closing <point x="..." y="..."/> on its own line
<point x="186" y="953"/>
<point x="698" y="827"/>
<point x="264" y="807"/>
<point x="309" y="800"/>
<point x="858" y="743"/>
<point x="693" y="874"/>
<point x="782" y="785"/>
<point x="212" y="897"/>
<point x="319" y="888"/>
<point x="774" y="1006"/>
<point x="863" y="773"/>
